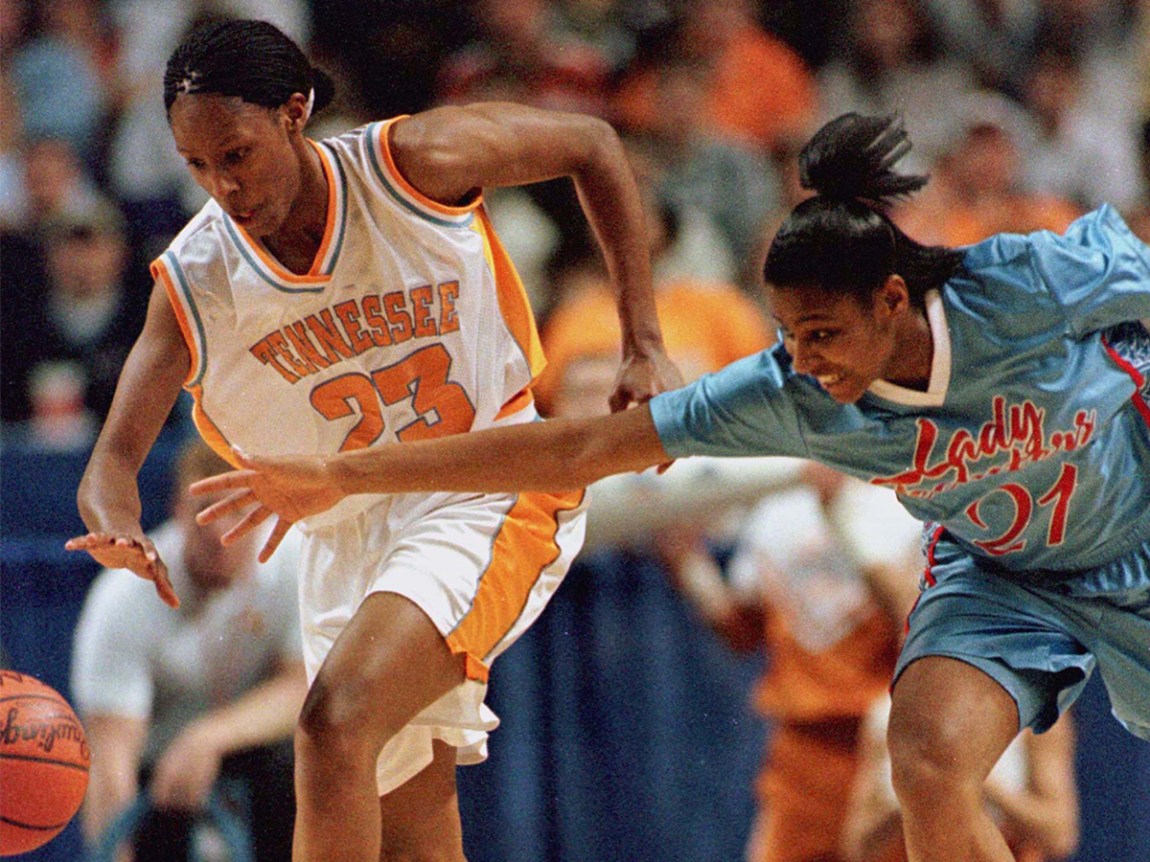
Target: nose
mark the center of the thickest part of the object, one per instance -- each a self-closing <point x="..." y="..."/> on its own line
<point x="221" y="184"/>
<point x="802" y="358"/>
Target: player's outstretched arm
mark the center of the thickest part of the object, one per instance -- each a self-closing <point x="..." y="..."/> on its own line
<point x="557" y="455"/>
<point x="108" y="496"/>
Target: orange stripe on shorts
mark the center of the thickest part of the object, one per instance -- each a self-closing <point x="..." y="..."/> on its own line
<point x="525" y="546"/>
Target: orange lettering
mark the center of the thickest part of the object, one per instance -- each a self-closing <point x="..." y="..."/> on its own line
<point x="348" y="313"/>
<point x="297" y="336"/>
<point x="372" y="313"/>
<point x="397" y="316"/>
<point x="448" y="317"/>
<point x="421" y="299"/>
<point x="265" y="353"/>
<point x="328" y="336"/>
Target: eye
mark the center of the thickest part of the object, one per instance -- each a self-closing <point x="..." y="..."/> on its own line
<point x="195" y="164"/>
<point x="821" y="335"/>
<point x="234" y="157"/>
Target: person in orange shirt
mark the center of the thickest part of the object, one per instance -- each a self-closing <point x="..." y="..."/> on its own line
<point x="976" y="189"/>
<point x="706" y="323"/>
<point x="823" y="576"/>
<point x="760" y="91"/>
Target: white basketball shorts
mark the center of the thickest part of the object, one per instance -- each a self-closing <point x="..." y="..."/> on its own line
<point x="482" y="567"/>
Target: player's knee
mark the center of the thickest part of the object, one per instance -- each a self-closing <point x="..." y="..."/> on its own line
<point x="928" y="761"/>
<point x="337" y="720"/>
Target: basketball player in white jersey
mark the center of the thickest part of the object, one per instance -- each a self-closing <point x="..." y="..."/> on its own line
<point x="347" y="294"/>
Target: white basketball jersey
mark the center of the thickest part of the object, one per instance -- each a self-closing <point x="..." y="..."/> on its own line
<point x="411" y="322"/>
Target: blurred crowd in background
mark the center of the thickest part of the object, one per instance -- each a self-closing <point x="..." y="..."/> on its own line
<point x="1026" y="113"/>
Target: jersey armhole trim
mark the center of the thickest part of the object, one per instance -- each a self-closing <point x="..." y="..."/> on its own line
<point x="166" y="270"/>
<point x="404" y="193"/>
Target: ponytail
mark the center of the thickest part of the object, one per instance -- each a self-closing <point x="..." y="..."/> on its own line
<point x="842" y="238"/>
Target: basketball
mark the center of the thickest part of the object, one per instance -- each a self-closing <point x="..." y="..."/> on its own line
<point x="43" y="763"/>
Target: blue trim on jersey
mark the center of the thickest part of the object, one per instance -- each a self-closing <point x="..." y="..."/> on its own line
<point x="185" y="289"/>
<point x="398" y="195"/>
<point x="337" y="246"/>
<point x="258" y="266"/>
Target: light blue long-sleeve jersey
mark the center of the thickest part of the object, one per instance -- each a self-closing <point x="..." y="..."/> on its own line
<point x="1031" y="445"/>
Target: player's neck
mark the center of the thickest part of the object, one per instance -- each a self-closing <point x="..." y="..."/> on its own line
<point x="915" y="354"/>
<point x="299" y="238"/>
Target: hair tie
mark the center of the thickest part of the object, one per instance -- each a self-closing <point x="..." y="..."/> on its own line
<point x="307" y="108"/>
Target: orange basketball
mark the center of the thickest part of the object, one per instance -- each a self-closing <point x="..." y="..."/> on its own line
<point x="43" y="763"/>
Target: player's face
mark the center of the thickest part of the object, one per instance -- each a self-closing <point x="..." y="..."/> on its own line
<point x="242" y="155"/>
<point x="843" y="343"/>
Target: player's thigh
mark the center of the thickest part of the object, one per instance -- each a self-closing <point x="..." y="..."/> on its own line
<point x="421" y="817"/>
<point x="1017" y="634"/>
<point x="387" y="665"/>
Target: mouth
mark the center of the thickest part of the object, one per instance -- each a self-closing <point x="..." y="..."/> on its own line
<point x="828" y="381"/>
<point x="243" y="217"/>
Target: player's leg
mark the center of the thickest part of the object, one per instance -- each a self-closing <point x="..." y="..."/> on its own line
<point x="387" y="665"/>
<point x="420" y="819"/>
<point x="950" y="723"/>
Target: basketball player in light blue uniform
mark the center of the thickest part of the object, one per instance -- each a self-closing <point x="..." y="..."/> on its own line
<point x="1000" y="390"/>
<point x="1028" y="456"/>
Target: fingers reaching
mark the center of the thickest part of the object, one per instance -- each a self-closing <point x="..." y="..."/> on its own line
<point x="277" y="535"/>
<point x="164" y="588"/>
<point x="222" y="482"/>
<point x="246" y="524"/>
<point x="121" y="551"/>
<point x="233" y="503"/>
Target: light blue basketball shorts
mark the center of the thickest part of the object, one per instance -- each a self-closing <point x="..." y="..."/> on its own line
<point x="1040" y="638"/>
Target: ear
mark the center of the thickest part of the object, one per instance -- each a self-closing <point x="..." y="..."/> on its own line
<point x="295" y="112"/>
<point x="892" y="299"/>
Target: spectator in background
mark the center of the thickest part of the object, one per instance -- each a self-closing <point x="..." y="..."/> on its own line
<point x="62" y="75"/>
<point x="995" y="37"/>
<point x="13" y="192"/>
<point x="56" y="183"/>
<point x="706" y="323"/>
<point x="525" y="56"/>
<point x="1082" y="152"/>
<point x="696" y="169"/>
<point x="1031" y="791"/>
<point x="824" y="575"/>
<point x="67" y="328"/>
<point x="977" y="186"/>
<point x="197" y="698"/>
<point x="893" y="62"/>
<point x="758" y="90"/>
<point x="607" y="25"/>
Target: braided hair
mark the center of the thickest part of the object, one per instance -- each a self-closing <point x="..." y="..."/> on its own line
<point x="253" y="60"/>
<point x="842" y="239"/>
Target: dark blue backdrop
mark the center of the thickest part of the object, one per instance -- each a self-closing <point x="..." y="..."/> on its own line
<point x="625" y="731"/>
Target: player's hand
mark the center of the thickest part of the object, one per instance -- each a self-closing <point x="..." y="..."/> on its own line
<point x="133" y="551"/>
<point x="186" y="771"/>
<point x="641" y="377"/>
<point x="290" y="488"/>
